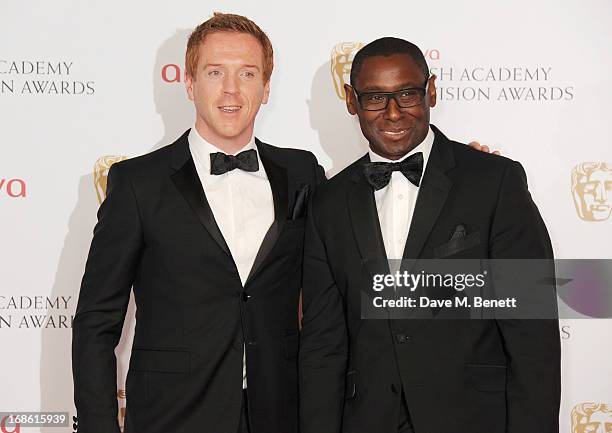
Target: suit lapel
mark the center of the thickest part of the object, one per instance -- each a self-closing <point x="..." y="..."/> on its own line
<point x="366" y="225"/>
<point x="188" y="183"/>
<point x="433" y="193"/>
<point x="277" y="176"/>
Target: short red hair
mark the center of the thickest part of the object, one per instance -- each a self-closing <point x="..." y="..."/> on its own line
<point x="221" y="22"/>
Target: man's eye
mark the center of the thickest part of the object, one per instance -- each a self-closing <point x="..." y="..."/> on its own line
<point x="248" y="74"/>
<point x="376" y="98"/>
<point x="409" y="94"/>
<point x="214" y="73"/>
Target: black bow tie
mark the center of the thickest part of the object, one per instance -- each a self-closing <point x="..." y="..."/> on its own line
<point x="221" y="163"/>
<point x="378" y="174"/>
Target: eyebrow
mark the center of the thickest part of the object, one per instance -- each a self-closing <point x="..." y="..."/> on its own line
<point x="220" y="64"/>
<point x="375" y="89"/>
<point x="400" y="87"/>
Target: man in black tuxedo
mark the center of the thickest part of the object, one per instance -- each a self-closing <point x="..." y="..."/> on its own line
<point x="209" y="231"/>
<point x="418" y="195"/>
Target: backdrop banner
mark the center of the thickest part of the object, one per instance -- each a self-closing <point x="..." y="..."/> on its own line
<point x="86" y="84"/>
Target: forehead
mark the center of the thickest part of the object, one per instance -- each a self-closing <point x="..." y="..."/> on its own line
<point x="230" y="47"/>
<point x="389" y="72"/>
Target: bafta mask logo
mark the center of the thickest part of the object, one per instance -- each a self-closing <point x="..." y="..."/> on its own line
<point x="592" y="418"/>
<point x="101" y="167"/>
<point x="342" y="56"/>
<point x="591" y="189"/>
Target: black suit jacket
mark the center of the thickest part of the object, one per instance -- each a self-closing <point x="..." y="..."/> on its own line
<point x="470" y="376"/>
<point x="156" y="232"/>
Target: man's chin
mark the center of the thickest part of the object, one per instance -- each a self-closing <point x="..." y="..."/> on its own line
<point x="231" y="132"/>
<point x="397" y="146"/>
<point x="395" y="150"/>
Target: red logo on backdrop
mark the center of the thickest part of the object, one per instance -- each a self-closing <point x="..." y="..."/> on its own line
<point x="432" y="54"/>
<point x="15" y="429"/>
<point x="171" y="73"/>
<point x="13" y="188"/>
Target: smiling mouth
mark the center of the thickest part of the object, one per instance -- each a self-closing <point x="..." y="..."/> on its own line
<point x="394" y="134"/>
<point x="229" y="108"/>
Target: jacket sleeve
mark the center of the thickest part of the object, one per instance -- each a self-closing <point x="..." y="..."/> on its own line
<point x="102" y="305"/>
<point x="319" y="175"/>
<point x="323" y="339"/>
<point x="532" y="345"/>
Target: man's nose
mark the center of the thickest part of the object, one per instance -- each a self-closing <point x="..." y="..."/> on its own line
<point x="230" y="84"/>
<point x="393" y="111"/>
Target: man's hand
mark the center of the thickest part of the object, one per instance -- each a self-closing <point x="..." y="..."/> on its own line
<point x="482" y="147"/>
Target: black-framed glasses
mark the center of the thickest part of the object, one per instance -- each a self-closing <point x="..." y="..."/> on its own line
<point x="405" y="98"/>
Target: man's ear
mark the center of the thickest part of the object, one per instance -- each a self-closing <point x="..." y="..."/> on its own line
<point x="351" y="99"/>
<point x="189" y="86"/>
<point x="431" y="90"/>
<point x="266" y="93"/>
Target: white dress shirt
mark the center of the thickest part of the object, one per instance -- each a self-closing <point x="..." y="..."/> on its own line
<point x="395" y="203"/>
<point x="241" y="203"/>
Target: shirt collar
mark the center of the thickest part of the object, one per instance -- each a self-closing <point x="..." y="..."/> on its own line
<point x="201" y="150"/>
<point x="424" y="147"/>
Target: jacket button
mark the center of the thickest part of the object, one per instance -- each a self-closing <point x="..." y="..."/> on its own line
<point x="245" y="296"/>
<point x="402" y="338"/>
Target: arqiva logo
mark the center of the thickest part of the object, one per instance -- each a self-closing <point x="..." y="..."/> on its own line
<point x="16" y="428"/>
<point x="172" y="73"/>
<point x="13" y="188"/>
